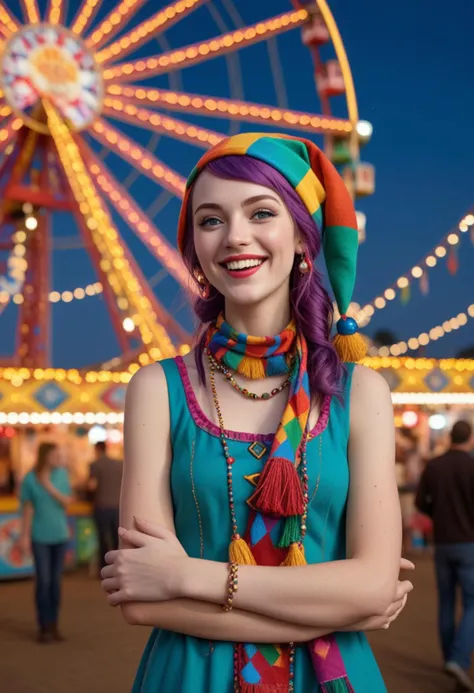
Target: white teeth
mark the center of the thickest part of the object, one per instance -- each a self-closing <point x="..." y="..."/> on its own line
<point x="243" y="264"/>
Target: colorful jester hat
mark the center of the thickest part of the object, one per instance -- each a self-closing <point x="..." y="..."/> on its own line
<point x="325" y="196"/>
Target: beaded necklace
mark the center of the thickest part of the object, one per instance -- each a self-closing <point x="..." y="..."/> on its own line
<point x="302" y="469"/>
<point x="227" y="373"/>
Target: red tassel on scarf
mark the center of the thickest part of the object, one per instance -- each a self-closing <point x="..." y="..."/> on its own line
<point x="263" y="687"/>
<point x="279" y="491"/>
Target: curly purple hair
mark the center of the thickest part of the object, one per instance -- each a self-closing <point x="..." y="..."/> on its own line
<point x="311" y="306"/>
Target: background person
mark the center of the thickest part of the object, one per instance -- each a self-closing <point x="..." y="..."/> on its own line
<point x="45" y="494"/>
<point x="446" y="494"/>
<point x="105" y="480"/>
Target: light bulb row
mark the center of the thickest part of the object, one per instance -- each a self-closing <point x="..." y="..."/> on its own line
<point x="424" y="338"/>
<point x="129" y="210"/>
<point x="84" y="16"/>
<point x="403" y="283"/>
<point x="138" y="156"/>
<point x="234" y="109"/>
<point x="201" y="51"/>
<point x="137" y="36"/>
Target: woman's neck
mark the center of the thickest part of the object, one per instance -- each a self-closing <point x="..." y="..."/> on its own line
<point x="261" y="320"/>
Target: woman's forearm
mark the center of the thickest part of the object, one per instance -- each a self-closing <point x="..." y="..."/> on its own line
<point x="209" y="621"/>
<point x="26" y="520"/>
<point x="328" y="595"/>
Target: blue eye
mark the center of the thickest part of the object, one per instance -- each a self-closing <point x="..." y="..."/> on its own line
<point x="261" y="214"/>
<point x="210" y="221"/>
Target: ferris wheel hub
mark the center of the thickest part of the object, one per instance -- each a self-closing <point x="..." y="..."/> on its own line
<point x="42" y="61"/>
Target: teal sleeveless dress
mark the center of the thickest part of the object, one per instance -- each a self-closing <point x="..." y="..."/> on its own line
<point x="176" y="663"/>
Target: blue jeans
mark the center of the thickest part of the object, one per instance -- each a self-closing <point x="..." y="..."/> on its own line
<point x="455" y="567"/>
<point x="49" y="561"/>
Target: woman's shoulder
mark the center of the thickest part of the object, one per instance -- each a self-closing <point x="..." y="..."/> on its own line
<point x="29" y="478"/>
<point x="368" y="383"/>
<point x="371" y="398"/>
<point x="148" y="381"/>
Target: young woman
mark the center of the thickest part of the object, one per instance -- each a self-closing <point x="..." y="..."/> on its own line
<point x="45" y="495"/>
<point x="260" y="450"/>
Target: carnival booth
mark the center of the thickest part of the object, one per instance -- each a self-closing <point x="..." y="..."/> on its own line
<point x="74" y="411"/>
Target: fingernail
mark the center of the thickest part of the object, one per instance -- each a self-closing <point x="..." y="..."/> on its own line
<point x="122" y="531"/>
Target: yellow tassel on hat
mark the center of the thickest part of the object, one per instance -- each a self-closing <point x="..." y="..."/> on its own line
<point x="349" y="344"/>
<point x="295" y="555"/>
<point x="240" y="552"/>
<point x="350" y="347"/>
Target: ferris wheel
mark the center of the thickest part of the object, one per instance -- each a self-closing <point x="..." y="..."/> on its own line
<point x="72" y="89"/>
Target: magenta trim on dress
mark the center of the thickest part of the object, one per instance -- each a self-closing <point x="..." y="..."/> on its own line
<point x="201" y="420"/>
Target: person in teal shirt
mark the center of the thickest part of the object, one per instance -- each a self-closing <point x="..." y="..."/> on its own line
<point x="45" y="495"/>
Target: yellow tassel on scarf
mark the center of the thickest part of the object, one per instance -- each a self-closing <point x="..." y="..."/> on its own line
<point x="251" y="368"/>
<point x="349" y="344"/>
<point x="240" y="552"/>
<point x="295" y="556"/>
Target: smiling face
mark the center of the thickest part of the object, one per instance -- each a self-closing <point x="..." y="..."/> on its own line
<point x="245" y="239"/>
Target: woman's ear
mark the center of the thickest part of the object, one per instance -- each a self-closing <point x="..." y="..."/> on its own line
<point x="299" y="246"/>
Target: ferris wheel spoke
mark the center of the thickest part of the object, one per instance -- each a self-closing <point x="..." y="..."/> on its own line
<point x="8" y="23"/>
<point x="166" y="125"/>
<point x="144" y="32"/>
<point x="31" y="11"/>
<point x="84" y="16"/>
<point x="138" y="157"/>
<point x="199" y="52"/>
<point x="56" y="11"/>
<point x="138" y="221"/>
<point x="113" y="22"/>
<point x="226" y="108"/>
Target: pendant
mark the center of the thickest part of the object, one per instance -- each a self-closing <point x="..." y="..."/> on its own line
<point x="257" y="449"/>
<point x="252" y="478"/>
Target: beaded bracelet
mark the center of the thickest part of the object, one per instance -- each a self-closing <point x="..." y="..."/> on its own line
<point x="232" y="585"/>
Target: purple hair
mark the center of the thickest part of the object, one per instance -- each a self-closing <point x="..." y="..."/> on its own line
<point x="311" y="306"/>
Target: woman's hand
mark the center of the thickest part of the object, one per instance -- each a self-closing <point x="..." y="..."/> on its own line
<point x="149" y="571"/>
<point x="24" y="545"/>
<point x="44" y="479"/>
<point x="404" y="587"/>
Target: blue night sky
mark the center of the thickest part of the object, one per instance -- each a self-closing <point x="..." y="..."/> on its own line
<point x="413" y="72"/>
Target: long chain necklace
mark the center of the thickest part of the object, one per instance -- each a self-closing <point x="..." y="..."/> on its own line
<point x="228" y="375"/>
<point x="302" y="467"/>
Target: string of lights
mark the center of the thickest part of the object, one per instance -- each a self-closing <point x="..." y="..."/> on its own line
<point x="55" y="11"/>
<point x="198" y="52"/>
<point x="161" y="20"/>
<point x="419" y="271"/>
<point x="7" y="21"/>
<point x="84" y="16"/>
<point x="424" y="338"/>
<point x="223" y="108"/>
<point x="138" y="157"/>
<point x="32" y="11"/>
<point x="172" y="127"/>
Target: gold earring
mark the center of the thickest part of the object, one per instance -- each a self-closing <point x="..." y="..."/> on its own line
<point x="204" y="286"/>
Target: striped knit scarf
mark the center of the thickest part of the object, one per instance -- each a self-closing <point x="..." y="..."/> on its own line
<point x="273" y="536"/>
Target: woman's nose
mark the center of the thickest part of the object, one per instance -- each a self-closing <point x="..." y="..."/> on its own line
<point x="238" y="232"/>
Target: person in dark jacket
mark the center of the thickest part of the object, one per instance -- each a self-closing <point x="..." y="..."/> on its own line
<point x="446" y="494"/>
<point x="105" y="481"/>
